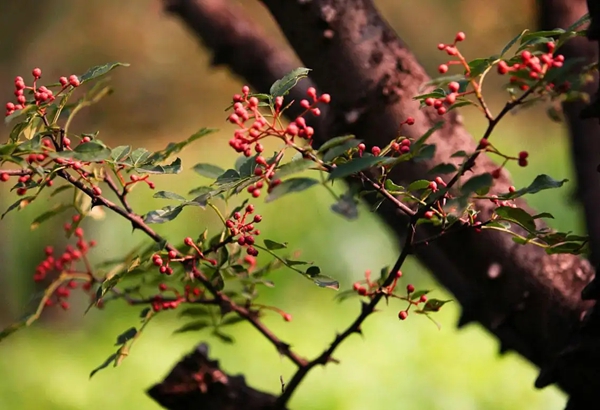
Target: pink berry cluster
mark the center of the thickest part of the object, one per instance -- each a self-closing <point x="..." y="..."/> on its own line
<point x="399" y="146"/>
<point x="40" y="94"/>
<point x="533" y="67"/>
<point x="368" y="287"/>
<point x="254" y="126"/>
<point x="163" y="266"/>
<point x="451" y="50"/>
<point x="26" y="181"/>
<point x="244" y="230"/>
<point x="410" y="289"/>
<point x="65" y="262"/>
<point x="160" y="302"/>
<point x="442" y="104"/>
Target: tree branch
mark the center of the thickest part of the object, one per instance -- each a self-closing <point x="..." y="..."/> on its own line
<point x="198" y="383"/>
<point x="533" y="306"/>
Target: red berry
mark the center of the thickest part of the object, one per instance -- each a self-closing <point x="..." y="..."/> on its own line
<point x="410" y="121"/>
<point x="496" y="173"/>
<point x="37" y="73"/>
<point x="362" y="291"/>
<point x="74" y="81"/>
<point x="423" y="298"/>
<point x="429" y="101"/>
<point x="162" y="287"/>
<point x="443" y="68"/>
<point x="410" y="288"/>
<point x="511" y="189"/>
<point x="356" y="286"/>
<point x="441" y="110"/>
<point x="460" y="36"/>
<point x="97" y="191"/>
<point x="523" y="162"/>
<point x="402" y="315"/>
<point x="325" y="98"/>
<point x="189" y="241"/>
<point x="454" y="86"/>
<point x="4" y="177"/>
<point x="287" y="317"/>
<point x="172" y="254"/>
<point x="64" y="305"/>
<point x="376" y="151"/>
<point x="523" y="155"/>
<point x="433" y="186"/>
<point x="428" y="215"/>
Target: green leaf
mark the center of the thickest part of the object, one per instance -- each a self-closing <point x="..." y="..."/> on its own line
<point x="293" y="167"/>
<point x="424" y="153"/>
<point x="169" y="195"/>
<point x="229" y="176"/>
<point x="418" y="185"/>
<point x="99" y="71"/>
<point x="282" y="86"/>
<point x="339" y="150"/>
<point x="225" y="338"/>
<point x="535" y="35"/>
<point x="392" y="187"/>
<point x="346" y="206"/>
<point x="584" y="19"/>
<point x="272" y="245"/>
<point x="194" y="326"/>
<point x="208" y="170"/>
<point x="479" y="184"/>
<point x="459" y="154"/>
<point x="92" y="151"/>
<point x="434" y="305"/>
<point x="540" y="183"/>
<point x="512" y="42"/>
<point x="290" y="186"/>
<point x="416" y="295"/>
<point x="478" y="66"/>
<point x="518" y="216"/>
<point x="126" y="336"/>
<point x="444" y="168"/>
<point x="120" y="153"/>
<point x="49" y="214"/>
<point x="356" y="165"/>
<point x="290" y="262"/>
<point x="163" y="215"/>
<point x="20" y="203"/>
<point x="172" y="168"/>
<point x="334" y="142"/>
<point x="314" y="274"/>
<point x="104" y="365"/>
<point x="574" y="248"/>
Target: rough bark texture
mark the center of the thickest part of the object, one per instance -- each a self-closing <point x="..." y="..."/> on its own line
<point x="533" y="305"/>
<point x="584" y="133"/>
<point x="197" y="383"/>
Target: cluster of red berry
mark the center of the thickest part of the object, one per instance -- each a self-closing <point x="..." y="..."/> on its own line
<point x="245" y="231"/>
<point x="41" y="94"/>
<point x="66" y="262"/>
<point x="400" y="146"/>
<point x="441" y="104"/>
<point x="533" y="67"/>
<point x="253" y="126"/>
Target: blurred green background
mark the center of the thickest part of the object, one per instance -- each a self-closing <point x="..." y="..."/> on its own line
<point x="168" y="93"/>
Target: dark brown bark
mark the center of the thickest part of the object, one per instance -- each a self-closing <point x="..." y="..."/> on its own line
<point x="197" y="383"/>
<point x="533" y="306"/>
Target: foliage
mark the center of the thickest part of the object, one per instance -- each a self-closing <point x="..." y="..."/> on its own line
<point x="214" y="279"/>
